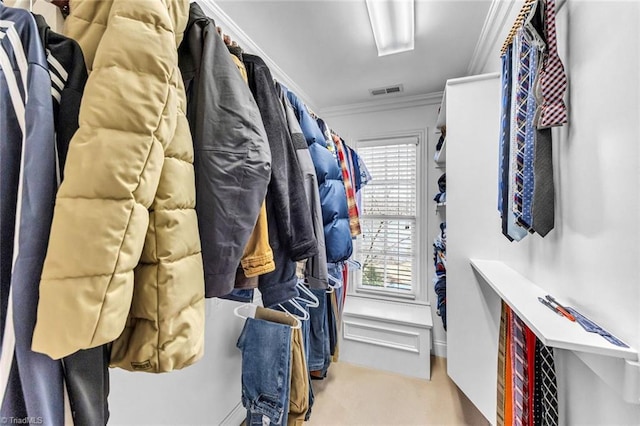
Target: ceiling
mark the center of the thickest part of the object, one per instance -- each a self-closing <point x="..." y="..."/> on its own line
<point x="327" y="48"/>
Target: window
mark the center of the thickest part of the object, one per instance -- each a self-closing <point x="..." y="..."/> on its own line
<point x="388" y="247"/>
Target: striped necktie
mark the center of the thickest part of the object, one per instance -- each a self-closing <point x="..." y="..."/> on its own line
<point x="520" y="379"/>
<point x="514" y="232"/>
<point x="524" y="115"/>
<point x="554" y="79"/>
<point x="501" y="366"/>
<point x="529" y="143"/>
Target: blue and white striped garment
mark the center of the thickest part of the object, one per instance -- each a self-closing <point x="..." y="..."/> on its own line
<point x="31" y="384"/>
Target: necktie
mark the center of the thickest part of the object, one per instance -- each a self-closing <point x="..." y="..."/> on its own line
<point x="520" y="380"/>
<point x="523" y="116"/>
<point x="508" y="366"/>
<point x="501" y="366"/>
<point x="531" y="372"/>
<point x="554" y="79"/>
<point x="543" y="204"/>
<point x="546" y="388"/>
<point x="503" y="175"/>
<point x="514" y="231"/>
<point x="529" y="142"/>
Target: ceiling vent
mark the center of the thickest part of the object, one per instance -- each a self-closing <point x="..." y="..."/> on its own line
<point x="387" y="90"/>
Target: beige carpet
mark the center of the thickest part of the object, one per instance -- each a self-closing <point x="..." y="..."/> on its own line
<point x="353" y="395"/>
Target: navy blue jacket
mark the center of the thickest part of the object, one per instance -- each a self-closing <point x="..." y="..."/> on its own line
<point x="333" y="197"/>
<point x="27" y="194"/>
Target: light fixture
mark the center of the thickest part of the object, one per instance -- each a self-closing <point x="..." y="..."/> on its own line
<point x="392" y="22"/>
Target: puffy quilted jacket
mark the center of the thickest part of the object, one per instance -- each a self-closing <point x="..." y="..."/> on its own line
<point x="124" y="261"/>
<point x="333" y="197"/>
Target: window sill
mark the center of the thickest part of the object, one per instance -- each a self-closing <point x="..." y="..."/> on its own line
<point x="384" y="294"/>
<point x="397" y="312"/>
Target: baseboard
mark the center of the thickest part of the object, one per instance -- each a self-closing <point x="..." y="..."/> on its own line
<point x="236" y="417"/>
<point x="440" y="348"/>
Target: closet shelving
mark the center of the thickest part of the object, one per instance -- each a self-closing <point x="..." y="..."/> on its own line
<point x="441" y="156"/>
<point x="556" y="331"/>
<point x="553" y="330"/>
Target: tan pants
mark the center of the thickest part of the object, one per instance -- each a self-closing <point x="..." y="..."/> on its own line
<point x="299" y="396"/>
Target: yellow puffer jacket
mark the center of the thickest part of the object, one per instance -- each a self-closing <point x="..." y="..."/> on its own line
<point x="127" y="200"/>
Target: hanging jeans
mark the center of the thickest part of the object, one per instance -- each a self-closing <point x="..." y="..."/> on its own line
<point x="318" y="332"/>
<point x="266" y="371"/>
<point x="299" y="390"/>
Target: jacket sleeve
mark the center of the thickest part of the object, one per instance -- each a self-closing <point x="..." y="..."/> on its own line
<point x="232" y="160"/>
<point x="127" y="118"/>
<point x="286" y="188"/>
<point x="28" y="163"/>
<point x="316" y="268"/>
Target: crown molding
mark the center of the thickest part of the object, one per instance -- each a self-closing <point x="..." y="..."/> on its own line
<point x="383" y="105"/>
<point x="497" y="18"/>
<point x="213" y="10"/>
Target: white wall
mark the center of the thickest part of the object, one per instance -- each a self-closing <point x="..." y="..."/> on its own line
<point x="591" y="257"/>
<point x="205" y="393"/>
<point x="357" y="125"/>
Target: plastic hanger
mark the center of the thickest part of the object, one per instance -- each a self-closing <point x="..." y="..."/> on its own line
<point x="251" y="313"/>
<point x="312" y="300"/>
<point x="295" y="304"/>
<point x="337" y="282"/>
<point x="249" y="307"/>
<point x="354" y="264"/>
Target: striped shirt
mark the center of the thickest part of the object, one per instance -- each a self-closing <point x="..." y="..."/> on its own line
<point x="31" y="384"/>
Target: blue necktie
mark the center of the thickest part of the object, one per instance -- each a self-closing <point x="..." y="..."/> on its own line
<point x="529" y="142"/>
<point x="503" y="175"/>
<point x="514" y="231"/>
<point x="522" y="116"/>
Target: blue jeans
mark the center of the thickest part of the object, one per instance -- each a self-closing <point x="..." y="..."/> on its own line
<point x="318" y="332"/>
<point x="266" y="371"/>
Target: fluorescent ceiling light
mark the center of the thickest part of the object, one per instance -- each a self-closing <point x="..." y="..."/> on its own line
<point x="392" y="22"/>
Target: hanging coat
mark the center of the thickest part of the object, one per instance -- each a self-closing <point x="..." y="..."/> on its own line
<point x="335" y="213"/>
<point x="233" y="160"/>
<point x="124" y="261"/>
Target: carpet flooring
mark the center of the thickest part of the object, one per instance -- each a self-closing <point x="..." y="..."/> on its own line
<point x="354" y="395"/>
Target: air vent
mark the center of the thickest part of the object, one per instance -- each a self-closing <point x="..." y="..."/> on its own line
<point x="386" y="90"/>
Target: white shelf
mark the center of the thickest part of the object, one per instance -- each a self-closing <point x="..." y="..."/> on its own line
<point x="552" y="329"/>
<point x="441" y="156"/>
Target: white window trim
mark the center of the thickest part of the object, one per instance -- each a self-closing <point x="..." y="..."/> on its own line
<point x="419" y="293"/>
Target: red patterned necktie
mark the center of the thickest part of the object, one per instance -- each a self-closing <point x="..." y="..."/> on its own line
<point x="553" y="79"/>
<point x="519" y="363"/>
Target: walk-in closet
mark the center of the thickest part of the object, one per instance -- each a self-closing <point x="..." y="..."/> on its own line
<point x="358" y="212"/>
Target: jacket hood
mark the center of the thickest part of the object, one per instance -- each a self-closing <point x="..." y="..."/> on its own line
<point x="196" y="15"/>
